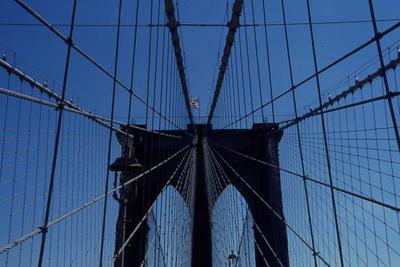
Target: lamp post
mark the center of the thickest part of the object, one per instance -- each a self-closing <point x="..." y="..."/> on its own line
<point x="232" y="259"/>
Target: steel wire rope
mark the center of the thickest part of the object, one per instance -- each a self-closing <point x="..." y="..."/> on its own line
<point x="223" y="173"/>
<point x="351" y="90"/>
<point x="385" y="79"/>
<point x="69" y="105"/>
<point x="14" y="171"/>
<point x="294" y="101"/>
<point x="323" y="69"/>
<point x="116" y="57"/>
<point x="267" y="51"/>
<point x="185" y="157"/>
<point x="26" y="177"/>
<point x="133" y="65"/>
<point x="193" y="24"/>
<point x="89" y="203"/>
<point x="86" y="56"/>
<point x="4" y="129"/>
<point x="374" y="201"/>
<point x="246" y="42"/>
<point x="276" y="214"/>
<point x="257" y="60"/>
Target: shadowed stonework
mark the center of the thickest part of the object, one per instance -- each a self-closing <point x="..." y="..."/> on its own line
<point x="141" y="151"/>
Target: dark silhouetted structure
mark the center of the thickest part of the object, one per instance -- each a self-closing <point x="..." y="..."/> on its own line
<point x="145" y="150"/>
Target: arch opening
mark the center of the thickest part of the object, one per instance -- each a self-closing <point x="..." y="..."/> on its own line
<point x="233" y="242"/>
<point x="169" y="239"/>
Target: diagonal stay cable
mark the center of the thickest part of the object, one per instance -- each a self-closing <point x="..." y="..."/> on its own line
<point x="363" y="197"/>
<point x="90" y="59"/>
<point x="318" y="111"/>
<point x="157" y="234"/>
<point x="210" y="177"/>
<point x="185" y="157"/>
<point x="98" y="119"/>
<point x="299" y="143"/>
<point x="267" y="243"/>
<point x="56" y="141"/>
<point x="384" y="75"/>
<point x="215" y="164"/>
<point x="340" y="96"/>
<point x="68" y="104"/>
<point x="87" y="204"/>
<point x="269" y="207"/>
<point x="154" y="202"/>
<point x="244" y="223"/>
<point x="152" y="242"/>
<point x="110" y="135"/>
<point x="275" y="213"/>
<point x="320" y="71"/>
<point x="246" y="219"/>
<point x="230" y="38"/>
<point x="261" y="253"/>
<point x="180" y="61"/>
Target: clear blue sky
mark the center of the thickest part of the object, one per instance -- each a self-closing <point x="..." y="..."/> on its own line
<point x="42" y="55"/>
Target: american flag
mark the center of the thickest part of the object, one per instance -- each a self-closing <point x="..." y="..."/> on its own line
<point x="195" y="102"/>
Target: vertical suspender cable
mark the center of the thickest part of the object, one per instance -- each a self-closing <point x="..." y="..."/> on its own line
<point x="57" y="140"/>
<point x="257" y="61"/>
<point x="149" y="62"/>
<point x="233" y="26"/>
<point x="268" y="62"/>
<point x="129" y="121"/>
<point x="385" y="79"/>
<point x="3" y="142"/>
<point x="298" y="135"/>
<point x="133" y="61"/>
<point x="173" y="25"/>
<point x="242" y="76"/>
<point x="237" y="85"/>
<point x="26" y="175"/>
<point x="14" y="172"/>
<point x="246" y="42"/>
<point x="328" y="160"/>
<point x="103" y="227"/>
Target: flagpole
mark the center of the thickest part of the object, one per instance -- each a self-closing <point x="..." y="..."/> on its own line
<point x="195" y="104"/>
<point x="199" y="116"/>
